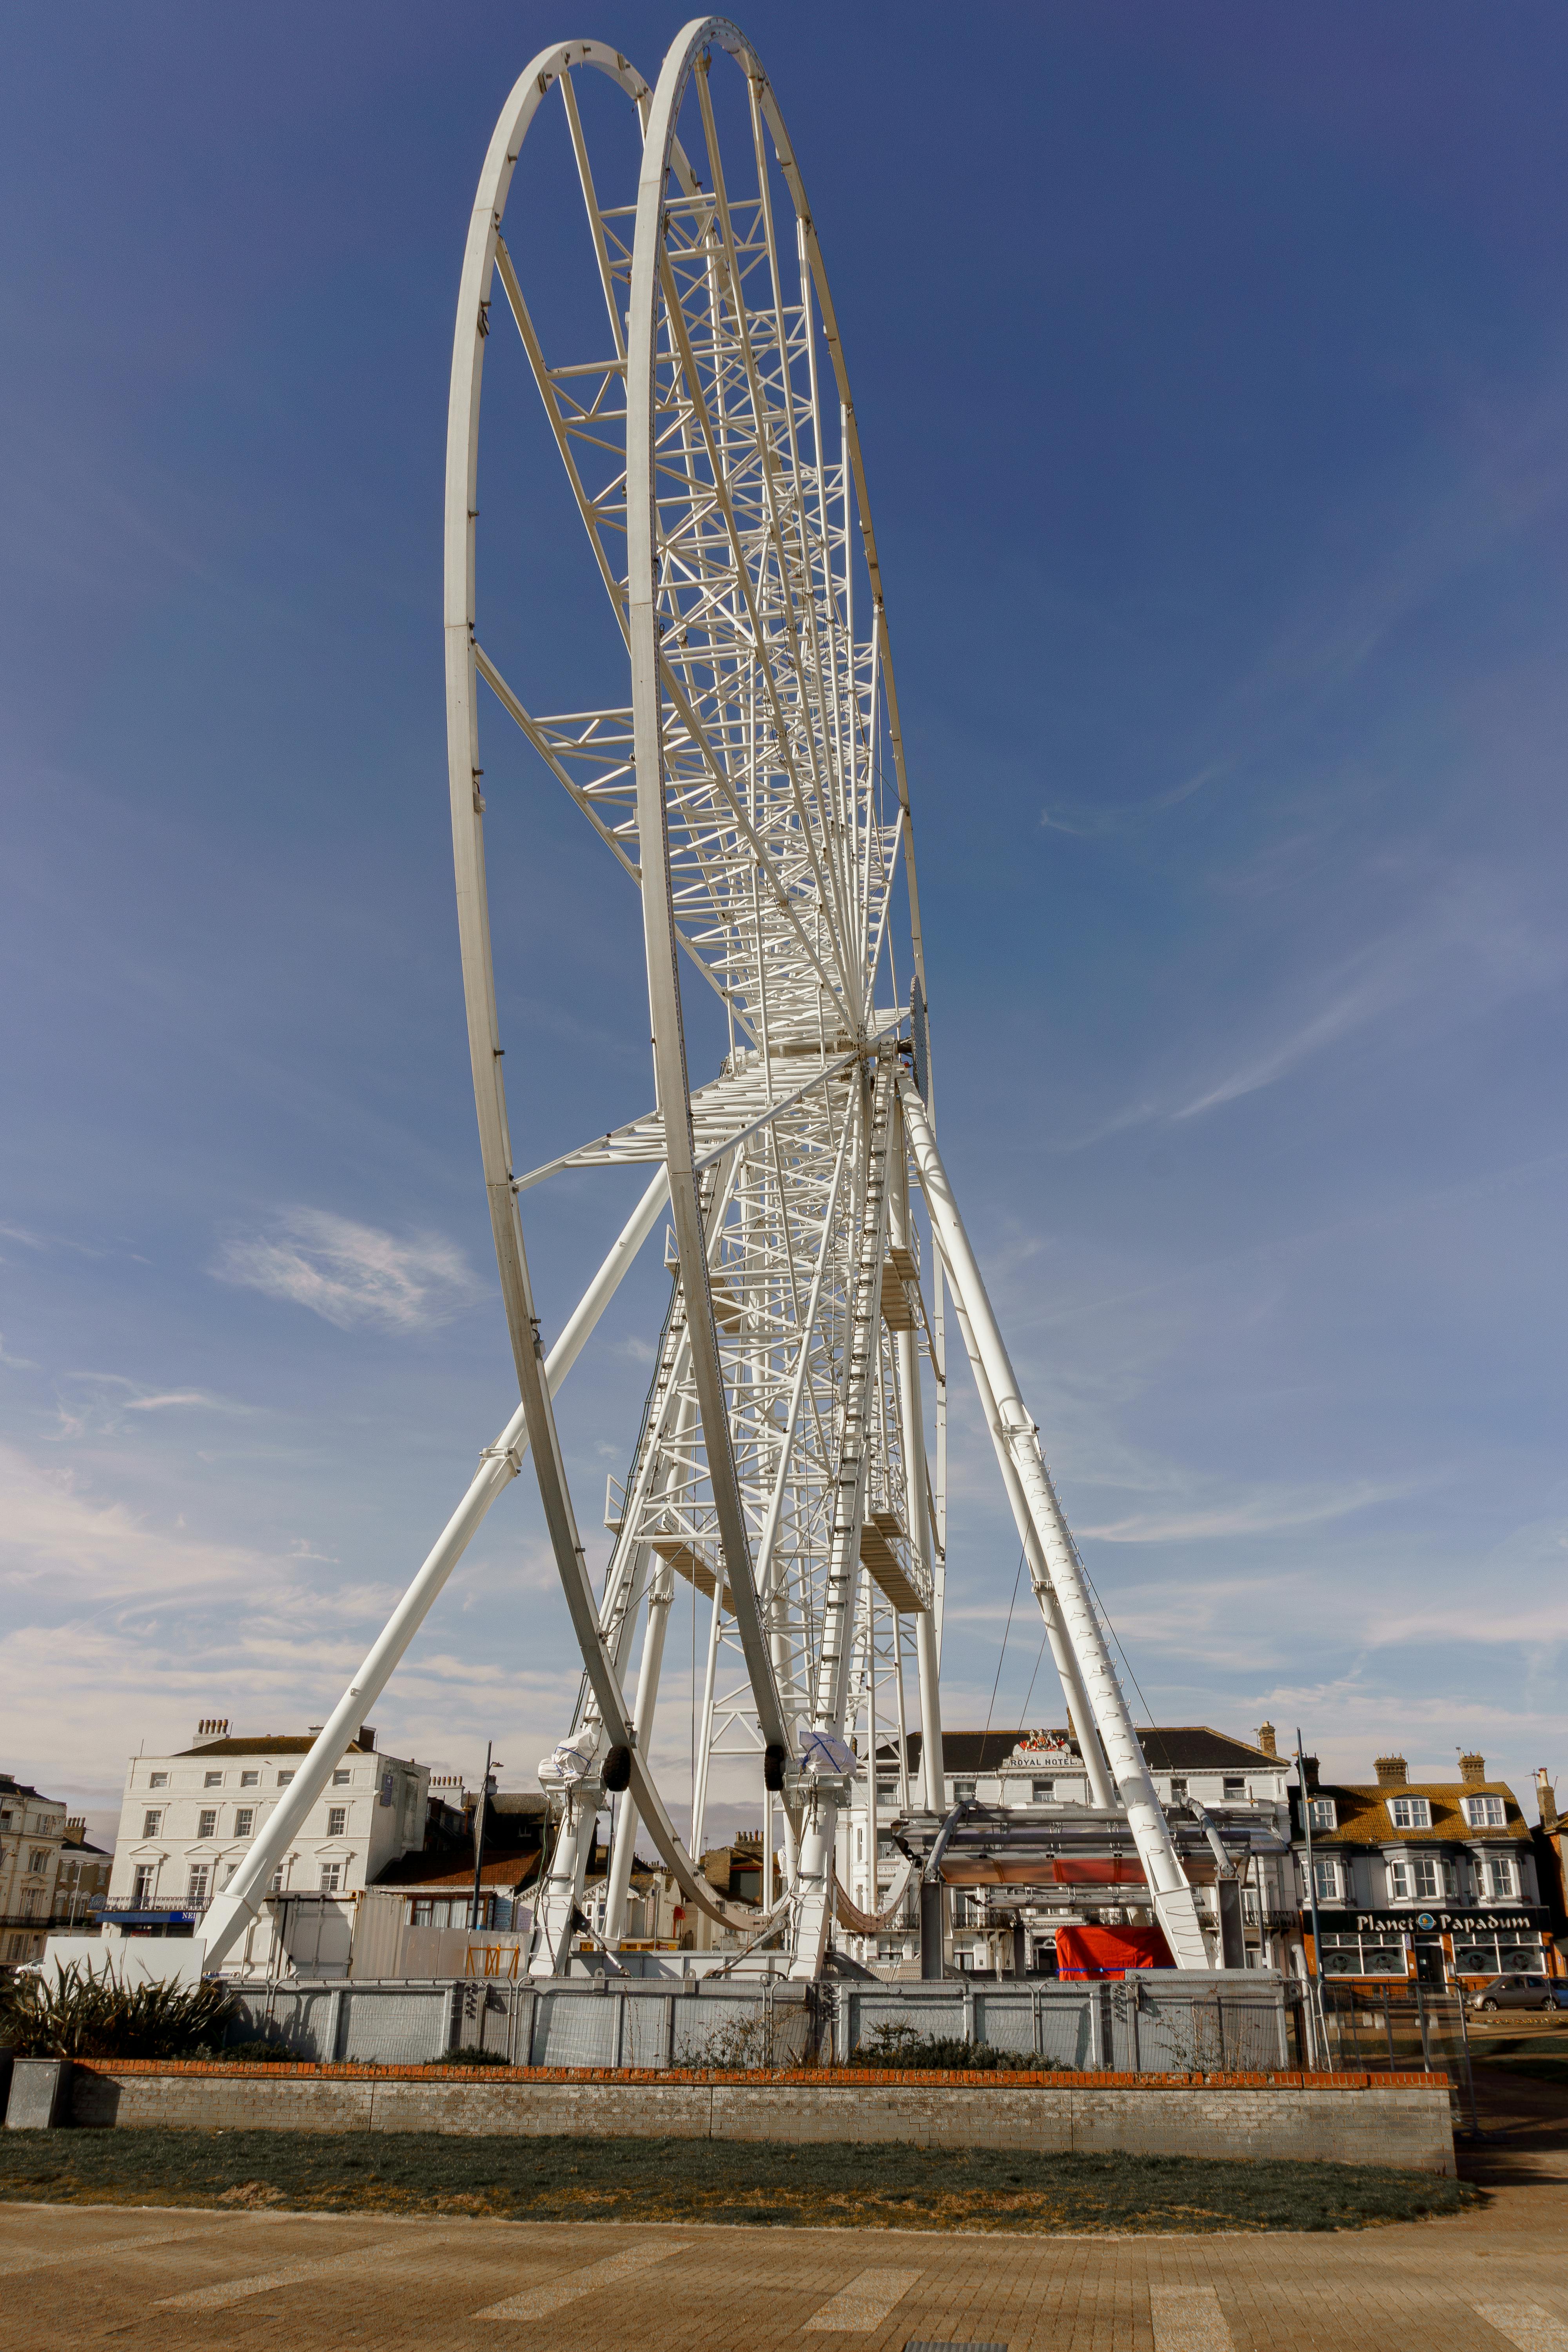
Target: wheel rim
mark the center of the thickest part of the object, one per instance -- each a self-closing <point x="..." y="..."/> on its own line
<point x="755" y="785"/>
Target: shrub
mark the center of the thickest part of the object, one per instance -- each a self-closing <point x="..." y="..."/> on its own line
<point x="900" y="2047"/>
<point x="74" y="2014"/>
<point x="470" y="2056"/>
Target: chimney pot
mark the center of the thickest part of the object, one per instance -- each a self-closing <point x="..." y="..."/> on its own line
<point x="1546" y="1798"/>
<point x="1393" y="1771"/>
<point x="1473" y="1769"/>
<point x="1267" y="1739"/>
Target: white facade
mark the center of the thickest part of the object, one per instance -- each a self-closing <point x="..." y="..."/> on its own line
<point x="32" y="1832"/>
<point x="187" y="1819"/>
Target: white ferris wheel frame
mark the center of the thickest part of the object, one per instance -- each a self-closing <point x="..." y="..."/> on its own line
<point x="811" y="938"/>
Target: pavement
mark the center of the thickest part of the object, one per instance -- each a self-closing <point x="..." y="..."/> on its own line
<point x="195" y="2279"/>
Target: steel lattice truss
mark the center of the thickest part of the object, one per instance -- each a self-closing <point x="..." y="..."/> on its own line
<point x="746" y="774"/>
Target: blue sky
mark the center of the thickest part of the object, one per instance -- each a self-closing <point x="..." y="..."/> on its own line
<point x="1211" y="369"/>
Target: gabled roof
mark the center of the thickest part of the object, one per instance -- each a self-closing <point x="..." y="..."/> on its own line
<point x="1167" y="1748"/>
<point x="1363" y="1818"/>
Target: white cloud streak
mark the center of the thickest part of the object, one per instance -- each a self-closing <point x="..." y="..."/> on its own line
<point x="353" y="1274"/>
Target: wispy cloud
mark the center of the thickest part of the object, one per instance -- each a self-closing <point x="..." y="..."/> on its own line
<point x="352" y="1274"/>
<point x="1264" y="1513"/>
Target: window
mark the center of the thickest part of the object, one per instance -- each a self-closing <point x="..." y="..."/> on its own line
<point x="338" y="1821"/>
<point x="1502" y="1884"/>
<point x="284" y="1779"/>
<point x="963" y="1792"/>
<point x="244" y="1818"/>
<point x="1324" y="1814"/>
<point x="157" y="1780"/>
<point x="1042" y="1791"/>
<point x="1410" y="1812"/>
<point x="1326" y="1881"/>
<point x="141" y="1886"/>
<point x="1178" y="1791"/>
<point x="39" y="1858"/>
<point x="213" y="1781"/>
<point x="207" y="1824"/>
<point x="341" y="1778"/>
<point x="1484" y="1813"/>
<point x="198" y="1890"/>
<point x="331" y="1875"/>
<point x="1425" y="1875"/>
<point x="250" y="1780"/>
<point x="1233" y="1785"/>
<point x="151" y="1824"/>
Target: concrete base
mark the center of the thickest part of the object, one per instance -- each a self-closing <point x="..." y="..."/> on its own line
<point x="40" y="2094"/>
<point x="1400" y="2120"/>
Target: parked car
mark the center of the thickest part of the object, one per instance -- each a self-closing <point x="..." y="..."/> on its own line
<point x="1522" y="1992"/>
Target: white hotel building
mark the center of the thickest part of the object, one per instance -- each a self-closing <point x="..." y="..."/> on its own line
<point x="187" y="1819"/>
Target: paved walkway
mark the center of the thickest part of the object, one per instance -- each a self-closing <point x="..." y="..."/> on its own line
<point x="96" y="2275"/>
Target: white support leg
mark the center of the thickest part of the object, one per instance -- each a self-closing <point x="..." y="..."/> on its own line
<point x="928" y="1634"/>
<point x="1173" y="1896"/>
<point x="655" y="1626"/>
<point x="1073" y="1687"/>
<point x="231" y="1913"/>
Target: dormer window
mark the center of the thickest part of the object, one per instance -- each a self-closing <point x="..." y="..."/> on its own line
<point x="1324" y="1814"/>
<point x="1410" y="1812"/>
<point x="1485" y="1812"/>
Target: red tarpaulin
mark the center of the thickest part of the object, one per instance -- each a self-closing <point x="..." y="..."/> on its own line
<point x="1083" y="1952"/>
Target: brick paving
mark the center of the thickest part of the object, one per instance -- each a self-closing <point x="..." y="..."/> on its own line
<point x="89" y="2274"/>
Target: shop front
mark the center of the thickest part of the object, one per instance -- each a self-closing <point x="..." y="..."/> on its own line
<point x="1436" y="1948"/>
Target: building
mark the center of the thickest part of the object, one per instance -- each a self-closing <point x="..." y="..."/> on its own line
<point x="438" y="1879"/>
<point x="51" y="1879"/>
<point x="1240" y="1785"/>
<point x="187" y="1819"/>
<point x="1433" y="1881"/>
<point x="1550" y="1864"/>
<point x="81" y="1881"/>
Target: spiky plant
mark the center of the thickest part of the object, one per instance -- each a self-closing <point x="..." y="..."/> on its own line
<point x="76" y="2014"/>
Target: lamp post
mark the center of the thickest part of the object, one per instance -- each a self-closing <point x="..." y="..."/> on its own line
<point x="1315" y="1976"/>
<point x="487" y="1790"/>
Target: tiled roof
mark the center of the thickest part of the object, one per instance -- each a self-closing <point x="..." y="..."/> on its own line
<point x="1169" y="1748"/>
<point x="425" y="1873"/>
<point x="1364" y="1818"/>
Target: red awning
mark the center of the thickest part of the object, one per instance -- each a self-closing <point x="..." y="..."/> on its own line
<point x="1085" y="1952"/>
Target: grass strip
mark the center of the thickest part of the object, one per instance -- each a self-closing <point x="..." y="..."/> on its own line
<point x="824" y="2186"/>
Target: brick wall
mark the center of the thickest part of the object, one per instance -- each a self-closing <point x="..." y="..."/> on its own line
<point x="1348" y="2118"/>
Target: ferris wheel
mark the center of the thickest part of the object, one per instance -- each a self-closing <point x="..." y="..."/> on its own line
<point x="743" y="773"/>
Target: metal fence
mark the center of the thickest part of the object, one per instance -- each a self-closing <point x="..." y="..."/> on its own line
<point x="588" y="2021"/>
<point x="1146" y="2024"/>
<point x="1377" y="2029"/>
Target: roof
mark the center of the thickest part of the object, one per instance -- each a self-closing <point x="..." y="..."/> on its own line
<point x="1167" y="1748"/>
<point x="427" y="1873"/>
<point x="273" y="1743"/>
<point x="1364" y="1819"/>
